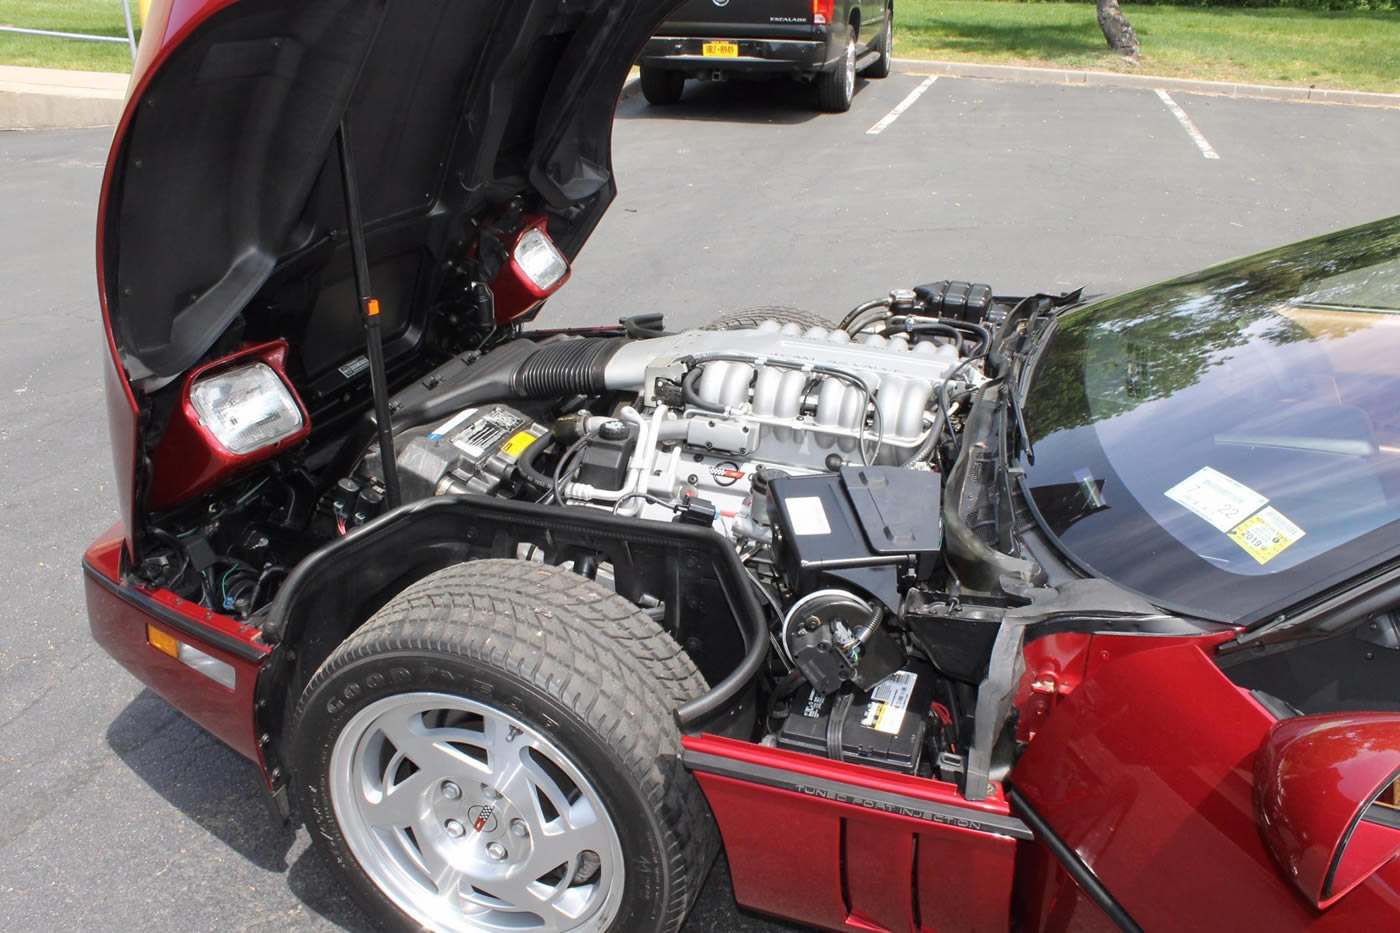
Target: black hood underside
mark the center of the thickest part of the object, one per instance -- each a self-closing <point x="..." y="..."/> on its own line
<point x="224" y="194"/>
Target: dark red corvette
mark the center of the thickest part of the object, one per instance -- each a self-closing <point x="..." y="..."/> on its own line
<point x="961" y="612"/>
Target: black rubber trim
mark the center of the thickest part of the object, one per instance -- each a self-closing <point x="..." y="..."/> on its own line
<point x="175" y="620"/>
<point x="1081" y="873"/>
<point x="884" y="801"/>
<point x="1330" y="880"/>
<point x="437" y="522"/>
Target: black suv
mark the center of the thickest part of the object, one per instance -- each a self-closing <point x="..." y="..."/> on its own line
<point x="823" y="40"/>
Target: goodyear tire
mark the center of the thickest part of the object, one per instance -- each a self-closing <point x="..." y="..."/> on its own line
<point x="752" y="317"/>
<point x="494" y="750"/>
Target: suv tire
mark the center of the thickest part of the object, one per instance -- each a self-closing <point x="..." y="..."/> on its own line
<point x="836" y="89"/>
<point x="523" y="712"/>
<point x="662" y="86"/>
<point x="880" y="68"/>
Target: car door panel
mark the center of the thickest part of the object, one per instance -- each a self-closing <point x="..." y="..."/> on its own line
<point x="1146" y="772"/>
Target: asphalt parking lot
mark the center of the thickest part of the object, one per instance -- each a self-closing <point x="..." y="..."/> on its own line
<point x="116" y="813"/>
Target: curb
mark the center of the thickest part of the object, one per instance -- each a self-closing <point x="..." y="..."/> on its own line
<point x="48" y="98"/>
<point x="1022" y="74"/>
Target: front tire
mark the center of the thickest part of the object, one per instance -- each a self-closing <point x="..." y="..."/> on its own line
<point x="836" y="89"/>
<point x="494" y="750"/>
<point x="880" y="68"/>
<point x="745" y="318"/>
<point x="662" y="86"/>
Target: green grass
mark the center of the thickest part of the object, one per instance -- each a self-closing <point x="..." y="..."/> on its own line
<point x="92" y="17"/>
<point x="1360" y="51"/>
<point x="1352" y="50"/>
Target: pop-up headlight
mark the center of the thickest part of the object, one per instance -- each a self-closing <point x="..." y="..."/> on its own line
<point x="534" y="270"/>
<point x="540" y="260"/>
<point x="233" y="412"/>
<point x="247" y="408"/>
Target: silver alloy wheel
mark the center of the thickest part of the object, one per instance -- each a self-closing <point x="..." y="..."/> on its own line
<point x="471" y="820"/>
<point x="850" y="77"/>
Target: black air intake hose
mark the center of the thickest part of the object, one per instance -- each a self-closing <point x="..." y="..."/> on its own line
<point x="567" y="367"/>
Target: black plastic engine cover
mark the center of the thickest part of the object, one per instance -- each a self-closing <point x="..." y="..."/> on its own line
<point x="835" y="524"/>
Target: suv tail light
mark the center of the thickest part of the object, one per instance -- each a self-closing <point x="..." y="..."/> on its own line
<point x="822" y="11"/>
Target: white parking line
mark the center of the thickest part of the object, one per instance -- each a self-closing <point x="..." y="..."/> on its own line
<point x="1184" y="120"/>
<point x="900" y="107"/>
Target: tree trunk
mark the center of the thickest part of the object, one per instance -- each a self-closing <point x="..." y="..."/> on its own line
<point x="1117" y="30"/>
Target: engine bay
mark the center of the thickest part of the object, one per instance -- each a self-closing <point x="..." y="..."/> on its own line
<point x="821" y="453"/>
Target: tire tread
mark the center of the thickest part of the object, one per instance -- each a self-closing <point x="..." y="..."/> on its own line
<point x="591" y="650"/>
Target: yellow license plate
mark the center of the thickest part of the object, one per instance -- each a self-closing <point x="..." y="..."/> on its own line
<point x="720" y="50"/>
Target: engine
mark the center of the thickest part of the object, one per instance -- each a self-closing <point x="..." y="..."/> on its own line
<point x="709" y="414"/>
<point x="818" y="453"/>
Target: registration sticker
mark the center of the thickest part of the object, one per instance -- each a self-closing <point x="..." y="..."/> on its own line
<point x="1265" y="535"/>
<point x="888" y="701"/>
<point x="1217" y="498"/>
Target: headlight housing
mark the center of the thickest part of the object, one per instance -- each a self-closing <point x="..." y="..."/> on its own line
<point x="247" y="408"/>
<point x="233" y="413"/>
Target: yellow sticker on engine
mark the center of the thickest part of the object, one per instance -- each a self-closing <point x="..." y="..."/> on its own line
<point x="1265" y="534"/>
<point x="517" y="443"/>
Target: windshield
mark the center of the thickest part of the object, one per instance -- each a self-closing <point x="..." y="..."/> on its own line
<point x="1228" y="444"/>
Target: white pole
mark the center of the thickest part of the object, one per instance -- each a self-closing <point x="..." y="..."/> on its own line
<point x="130" y="32"/>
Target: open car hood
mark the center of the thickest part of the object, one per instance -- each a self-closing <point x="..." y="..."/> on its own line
<point x="222" y="217"/>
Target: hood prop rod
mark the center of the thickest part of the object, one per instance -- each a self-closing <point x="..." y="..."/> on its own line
<point x="369" y="309"/>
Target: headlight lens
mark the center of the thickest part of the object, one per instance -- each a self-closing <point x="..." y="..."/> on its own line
<point x="540" y="259"/>
<point x="247" y="408"/>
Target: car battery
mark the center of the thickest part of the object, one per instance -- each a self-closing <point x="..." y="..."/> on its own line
<point x="883" y="728"/>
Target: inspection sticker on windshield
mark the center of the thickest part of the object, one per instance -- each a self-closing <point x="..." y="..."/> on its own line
<point x="1265" y="535"/>
<point x="888" y="701"/>
<point x="1217" y="498"/>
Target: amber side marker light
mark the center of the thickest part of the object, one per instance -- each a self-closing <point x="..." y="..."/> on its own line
<point x="190" y="656"/>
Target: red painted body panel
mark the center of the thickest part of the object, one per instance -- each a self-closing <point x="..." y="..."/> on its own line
<point x="1146" y="771"/>
<point x="1313" y="777"/>
<point x="119" y="627"/>
<point x="1054" y="667"/>
<point x="1048" y="900"/>
<point x="188" y="460"/>
<point x="515" y="294"/>
<point x="167" y="24"/>
<point x="843" y="866"/>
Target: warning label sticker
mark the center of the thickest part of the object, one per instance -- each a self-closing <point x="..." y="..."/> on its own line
<point x="1265" y="536"/>
<point x="1217" y="498"/>
<point x="517" y="444"/>
<point x="888" y="702"/>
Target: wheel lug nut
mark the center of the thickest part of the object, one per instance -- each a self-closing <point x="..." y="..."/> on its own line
<point x="489" y="792"/>
<point x="496" y="850"/>
<point x="454" y="829"/>
<point x="519" y="829"/>
<point x="451" y="791"/>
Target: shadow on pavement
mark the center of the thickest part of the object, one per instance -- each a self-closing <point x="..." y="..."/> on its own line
<point x="223" y="793"/>
<point x="777" y="101"/>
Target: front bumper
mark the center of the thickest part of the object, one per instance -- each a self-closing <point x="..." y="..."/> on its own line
<point x="756" y="56"/>
<point x="121" y="615"/>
